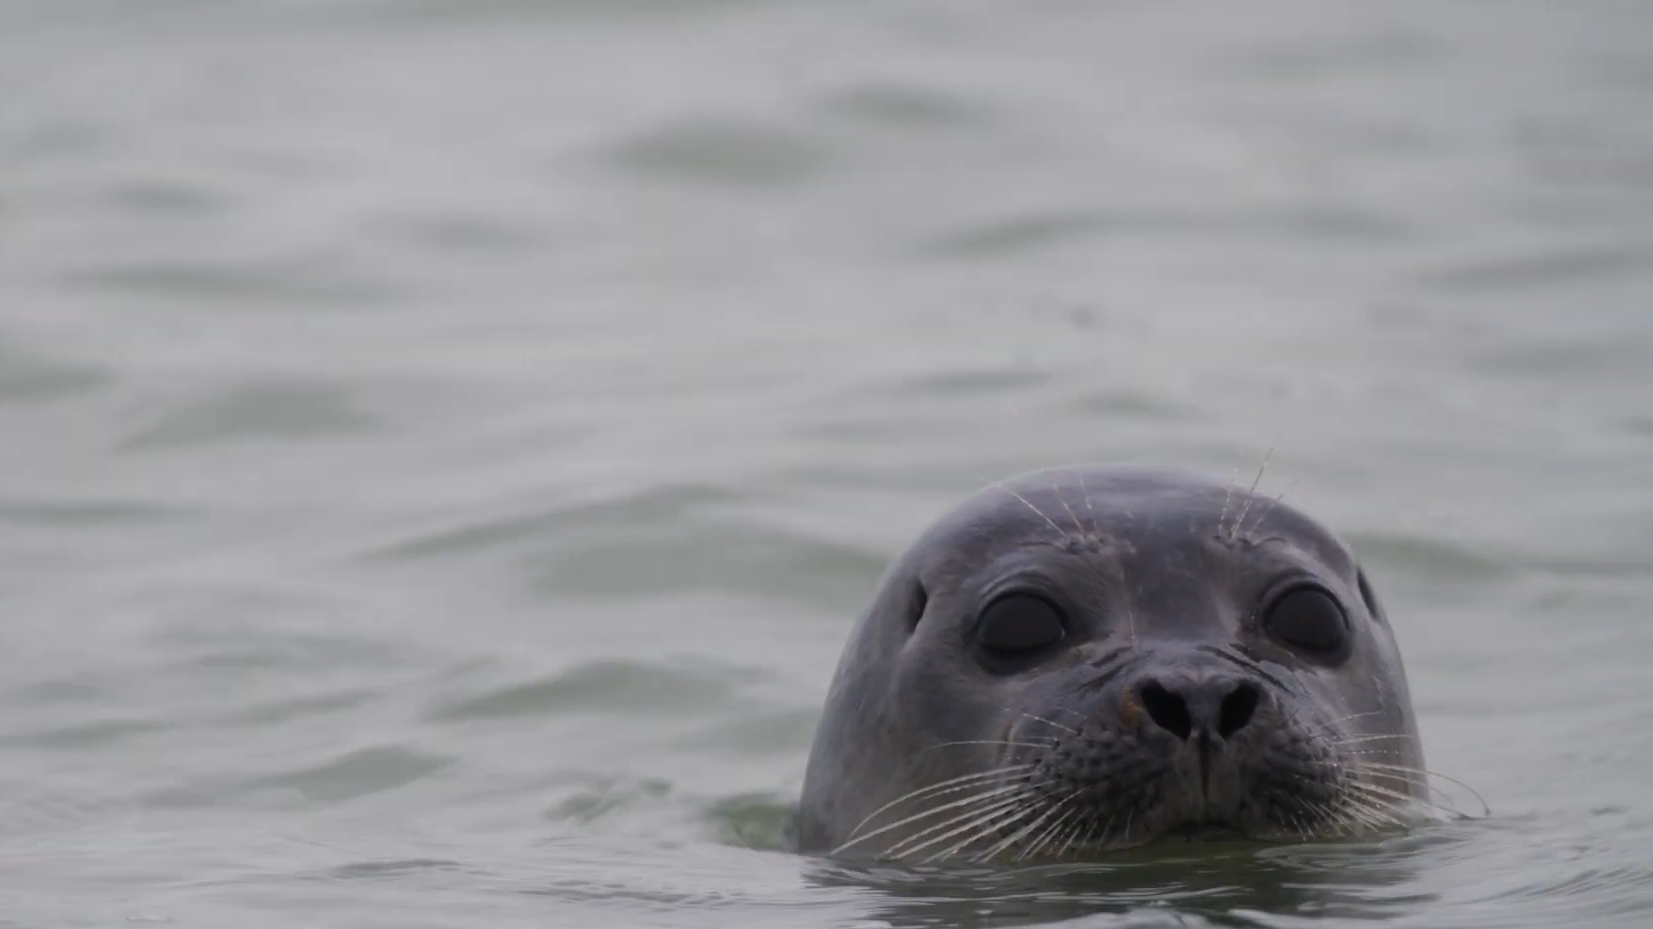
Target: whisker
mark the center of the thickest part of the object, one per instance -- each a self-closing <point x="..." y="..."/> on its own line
<point x="994" y="801"/>
<point x="1021" y="833"/>
<point x="1016" y="800"/>
<point x="983" y="829"/>
<point x="1090" y="508"/>
<point x="1354" y="716"/>
<point x="1357" y="740"/>
<point x="1228" y="497"/>
<point x="1339" y="810"/>
<point x="1048" y="722"/>
<point x="1238" y="520"/>
<point x="1398" y="798"/>
<point x="1424" y="774"/>
<point x="1333" y="818"/>
<point x="1060" y="533"/>
<point x="1050" y="830"/>
<point x="1360" y="816"/>
<point x="1328" y="818"/>
<point x="1078" y="527"/>
<point x="1263" y="513"/>
<point x="1047" y="845"/>
<point x="1367" y="811"/>
<point x="1013" y="807"/>
<point x="951" y="785"/>
<point x="1384" y="812"/>
<point x="1008" y="742"/>
<point x="1088" y="832"/>
<point x="1296" y="822"/>
<point x="1046" y="837"/>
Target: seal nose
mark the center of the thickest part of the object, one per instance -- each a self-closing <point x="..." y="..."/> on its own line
<point x="1216" y="706"/>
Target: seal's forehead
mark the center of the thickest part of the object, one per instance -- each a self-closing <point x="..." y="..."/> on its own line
<point x="1142" y="507"/>
<point x="1103" y="499"/>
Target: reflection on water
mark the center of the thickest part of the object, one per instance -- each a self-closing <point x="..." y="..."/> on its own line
<point x="446" y="443"/>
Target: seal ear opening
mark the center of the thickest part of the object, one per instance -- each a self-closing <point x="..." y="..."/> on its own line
<point x="1368" y="597"/>
<point x="916" y="600"/>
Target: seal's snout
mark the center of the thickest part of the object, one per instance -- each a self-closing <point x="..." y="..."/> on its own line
<point x="1199" y="707"/>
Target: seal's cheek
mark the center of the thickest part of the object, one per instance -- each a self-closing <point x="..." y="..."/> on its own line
<point x="942" y="716"/>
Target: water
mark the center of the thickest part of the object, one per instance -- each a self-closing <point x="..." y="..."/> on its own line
<point x="446" y="442"/>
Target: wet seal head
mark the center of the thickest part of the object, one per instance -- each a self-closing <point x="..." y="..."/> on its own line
<point x="1094" y="658"/>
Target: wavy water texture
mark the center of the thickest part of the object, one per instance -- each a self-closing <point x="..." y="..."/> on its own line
<point x="444" y="444"/>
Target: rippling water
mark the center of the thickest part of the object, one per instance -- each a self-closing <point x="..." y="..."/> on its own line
<point x="446" y="442"/>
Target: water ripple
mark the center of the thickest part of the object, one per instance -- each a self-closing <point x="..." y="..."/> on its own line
<point x="27" y="376"/>
<point x="297" y="281"/>
<point x="270" y="410"/>
<point x="346" y="776"/>
<point x="601" y="687"/>
<point x="1575" y="266"/>
<point x="1319" y="223"/>
<point x="908" y="105"/>
<point x="723" y="151"/>
<point x="525" y="524"/>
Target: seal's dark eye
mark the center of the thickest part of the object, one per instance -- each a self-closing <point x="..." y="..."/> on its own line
<point x="1019" y="625"/>
<point x="1309" y="620"/>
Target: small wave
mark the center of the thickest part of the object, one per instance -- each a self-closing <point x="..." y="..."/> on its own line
<point x="608" y="686"/>
<point x="722" y="150"/>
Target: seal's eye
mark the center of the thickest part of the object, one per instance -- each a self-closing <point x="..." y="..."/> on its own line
<point x="1309" y="620"/>
<point x="1016" y="627"/>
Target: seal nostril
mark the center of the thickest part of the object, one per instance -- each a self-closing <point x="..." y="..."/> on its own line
<point x="1237" y="709"/>
<point x="1167" y="709"/>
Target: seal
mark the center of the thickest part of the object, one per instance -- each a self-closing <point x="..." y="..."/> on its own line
<point x="1093" y="658"/>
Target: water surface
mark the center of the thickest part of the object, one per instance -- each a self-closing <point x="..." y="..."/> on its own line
<point x="446" y="442"/>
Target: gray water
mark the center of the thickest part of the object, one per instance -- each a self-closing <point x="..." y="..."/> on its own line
<point x="444" y="443"/>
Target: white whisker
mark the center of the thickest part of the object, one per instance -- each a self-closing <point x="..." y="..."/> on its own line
<point x="1272" y="503"/>
<point x="1020" y="834"/>
<point x="1250" y="495"/>
<point x="1062" y="498"/>
<point x="1228" y="498"/>
<point x="1044" y="838"/>
<point x="1060" y="533"/>
<point x="998" y="815"/>
<point x="1083" y="827"/>
<point x="952" y="785"/>
<point x="1007" y="742"/>
<point x="1358" y="740"/>
<point x="1090" y="508"/>
<point x="1048" y="722"/>
<point x="1001" y="805"/>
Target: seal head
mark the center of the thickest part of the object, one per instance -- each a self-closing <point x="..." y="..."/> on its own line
<point x="1094" y="658"/>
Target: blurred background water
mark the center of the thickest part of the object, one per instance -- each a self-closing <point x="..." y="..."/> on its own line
<point x="444" y="443"/>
